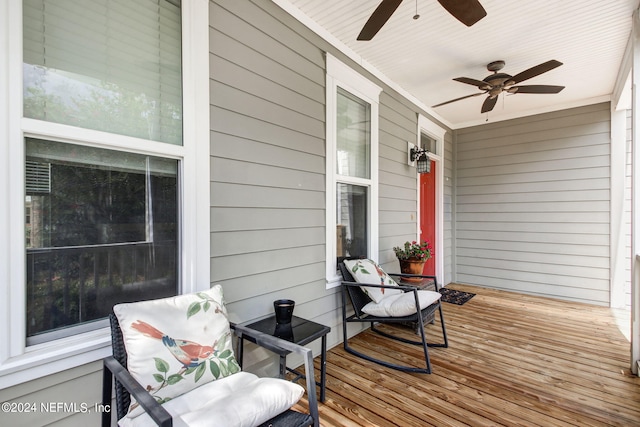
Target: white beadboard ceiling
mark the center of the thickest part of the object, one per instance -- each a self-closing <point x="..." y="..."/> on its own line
<point x="423" y="56"/>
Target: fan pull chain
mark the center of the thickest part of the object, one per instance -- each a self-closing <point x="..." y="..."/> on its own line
<point x="416" y="16"/>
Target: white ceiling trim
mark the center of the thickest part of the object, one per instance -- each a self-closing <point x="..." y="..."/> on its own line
<point x="621" y="97"/>
<point x="533" y="112"/>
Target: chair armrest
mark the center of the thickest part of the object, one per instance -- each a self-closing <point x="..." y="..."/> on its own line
<point x="404" y="288"/>
<point x="148" y="403"/>
<point x="278" y="345"/>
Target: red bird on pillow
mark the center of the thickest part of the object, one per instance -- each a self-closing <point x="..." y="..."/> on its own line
<point x="189" y="353"/>
<point x="382" y="275"/>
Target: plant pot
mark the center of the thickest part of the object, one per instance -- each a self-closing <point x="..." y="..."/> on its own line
<point x="284" y="310"/>
<point x="412" y="266"/>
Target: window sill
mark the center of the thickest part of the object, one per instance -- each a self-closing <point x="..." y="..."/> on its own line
<point x="60" y="355"/>
<point x="334" y="281"/>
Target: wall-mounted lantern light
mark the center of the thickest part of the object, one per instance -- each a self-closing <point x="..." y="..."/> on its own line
<point x="421" y="159"/>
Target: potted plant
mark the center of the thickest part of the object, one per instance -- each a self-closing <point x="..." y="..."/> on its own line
<point x="412" y="257"/>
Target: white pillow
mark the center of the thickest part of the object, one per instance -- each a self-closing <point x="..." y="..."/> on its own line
<point x="367" y="271"/>
<point x="242" y="399"/>
<point x="401" y="305"/>
<point x="250" y="405"/>
<point x="177" y="344"/>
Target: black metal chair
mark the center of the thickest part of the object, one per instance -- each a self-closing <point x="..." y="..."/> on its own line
<point x="126" y="386"/>
<point x="352" y="293"/>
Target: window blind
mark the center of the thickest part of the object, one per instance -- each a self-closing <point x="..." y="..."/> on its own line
<point x="45" y="152"/>
<point x="108" y="65"/>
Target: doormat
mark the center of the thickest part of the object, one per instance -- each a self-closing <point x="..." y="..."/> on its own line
<point x="455" y="297"/>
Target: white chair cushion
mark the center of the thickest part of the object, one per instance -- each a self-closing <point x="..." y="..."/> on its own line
<point x="367" y="271"/>
<point x="401" y="305"/>
<point x="239" y="400"/>
<point x="177" y="344"/>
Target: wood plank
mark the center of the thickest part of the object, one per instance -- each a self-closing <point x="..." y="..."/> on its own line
<point x="513" y="359"/>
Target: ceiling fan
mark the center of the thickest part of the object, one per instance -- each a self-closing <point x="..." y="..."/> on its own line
<point x="496" y="83"/>
<point x="466" y="11"/>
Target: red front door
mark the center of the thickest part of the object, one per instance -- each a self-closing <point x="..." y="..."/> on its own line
<point x="428" y="215"/>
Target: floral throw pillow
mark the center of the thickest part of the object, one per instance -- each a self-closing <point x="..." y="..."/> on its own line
<point x="177" y="344"/>
<point x="367" y="271"/>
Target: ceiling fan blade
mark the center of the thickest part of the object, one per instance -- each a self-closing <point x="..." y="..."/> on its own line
<point x="535" y="89"/>
<point x="488" y="104"/>
<point x="466" y="11"/>
<point x="378" y="18"/>
<point x="457" y="99"/>
<point x="535" y="71"/>
<point x="473" y="82"/>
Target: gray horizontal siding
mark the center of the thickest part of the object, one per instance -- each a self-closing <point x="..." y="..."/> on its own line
<point x="267" y="187"/>
<point x="398" y="182"/>
<point x="533" y="204"/>
<point x="81" y="386"/>
<point x="267" y="149"/>
<point x="267" y="190"/>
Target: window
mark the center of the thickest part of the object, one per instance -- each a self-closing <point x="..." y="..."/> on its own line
<point x="352" y="221"/>
<point x="105" y="193"/>
<point x="352" y="159"/>
<point x="353" y="136"/>
<point x="428" y="143"/>
<point x="106" y="220"/>
<point x="102" y="230"/>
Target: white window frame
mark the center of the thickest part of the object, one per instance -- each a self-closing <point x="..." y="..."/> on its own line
<point x="20" y="363"/>
<point x="341" y="75"/>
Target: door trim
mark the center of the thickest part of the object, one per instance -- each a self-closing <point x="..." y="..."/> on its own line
<point x="436" y="132"/>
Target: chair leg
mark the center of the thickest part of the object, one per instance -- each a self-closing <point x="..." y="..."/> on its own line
<point x="444" y="329"/>
<point x="403" y="368"/>
<point x="408" y="341"/>
<point x="107" y="384"/>
<point x="397" y="338"/>
<point x="425" y="346"/>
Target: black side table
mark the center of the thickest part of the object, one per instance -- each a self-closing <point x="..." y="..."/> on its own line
<point x="300" y="331"/>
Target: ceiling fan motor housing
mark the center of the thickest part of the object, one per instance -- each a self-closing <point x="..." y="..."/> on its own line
<point x="496" y="83"/>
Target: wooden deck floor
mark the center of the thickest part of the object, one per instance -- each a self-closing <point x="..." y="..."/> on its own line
<point x="513" y="360"/>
